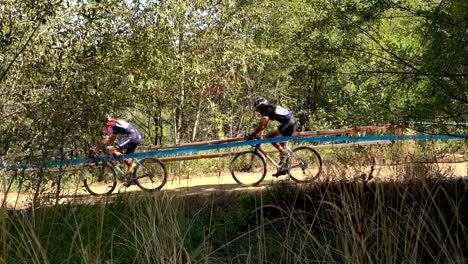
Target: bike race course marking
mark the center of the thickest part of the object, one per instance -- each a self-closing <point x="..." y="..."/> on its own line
<point x="314" y="139"/>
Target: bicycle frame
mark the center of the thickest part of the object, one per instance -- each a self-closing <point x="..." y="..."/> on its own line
<point x="117" y="168"/>
<point x="302" y="165"/>
<point x="258" y="148"/>
<point x="114" y="164"/>
<point x="146" y="177"/>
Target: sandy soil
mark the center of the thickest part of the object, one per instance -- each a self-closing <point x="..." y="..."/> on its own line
<point x="227" y="183"/>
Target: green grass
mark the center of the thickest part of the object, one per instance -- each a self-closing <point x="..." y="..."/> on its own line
<point x="420" y="217"/>
<point x="406" y="222"/>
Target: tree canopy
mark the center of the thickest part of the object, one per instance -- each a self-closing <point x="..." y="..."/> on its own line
<point x="189" y="70"/>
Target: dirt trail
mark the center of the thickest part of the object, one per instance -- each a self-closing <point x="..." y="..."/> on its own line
<point x="182" y="187"/>
<point x="224" y="183"/>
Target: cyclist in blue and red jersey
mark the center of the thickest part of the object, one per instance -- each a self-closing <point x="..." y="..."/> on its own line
<point x="286" y="127"/>
<point x="128" y="143"/>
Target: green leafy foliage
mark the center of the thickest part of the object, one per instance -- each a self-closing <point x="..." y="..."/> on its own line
<point x="187" y="71"/>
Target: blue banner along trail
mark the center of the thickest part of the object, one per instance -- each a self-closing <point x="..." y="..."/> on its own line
<point x="316" y="139"/>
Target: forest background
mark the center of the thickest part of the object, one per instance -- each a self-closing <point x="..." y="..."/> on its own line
<point x="186" y="71"/>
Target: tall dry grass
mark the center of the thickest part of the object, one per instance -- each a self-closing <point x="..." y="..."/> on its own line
<point x="417" y="215"/>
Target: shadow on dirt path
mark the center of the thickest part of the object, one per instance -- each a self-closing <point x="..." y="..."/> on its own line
<point x="194" y="186"/>
<point x="183" y="187"/>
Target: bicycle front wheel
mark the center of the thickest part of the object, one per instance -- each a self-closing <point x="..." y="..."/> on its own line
<point x="151" y="174"/>
<point x="248" y="168"/>
<point x="99" y="179"/>
<point x="305" y="164"/>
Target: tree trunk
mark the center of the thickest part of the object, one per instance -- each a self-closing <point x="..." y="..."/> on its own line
<point x="158" y="129"/>
<point x="176" y="129"/>
<point x="197" y="119"/>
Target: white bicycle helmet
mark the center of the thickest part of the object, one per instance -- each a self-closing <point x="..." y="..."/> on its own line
<point x="260" y="101"/>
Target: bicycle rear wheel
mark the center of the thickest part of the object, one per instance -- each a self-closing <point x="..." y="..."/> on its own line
<point x="99" y="179"/>
<point x="151" y="174"/>
<point x="305" y="164"/>
<point x="248" y="168"/>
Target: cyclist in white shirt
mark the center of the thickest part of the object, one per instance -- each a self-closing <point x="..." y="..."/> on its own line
<point x="286" y="127"/>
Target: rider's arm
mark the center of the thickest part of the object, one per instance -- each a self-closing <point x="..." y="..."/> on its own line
<point x="110" y="136"/>
<point x="108" y="139"/>
<point x="263" y="124"/>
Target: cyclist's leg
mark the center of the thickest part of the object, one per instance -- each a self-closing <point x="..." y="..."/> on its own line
<point x="280" y="146"/>
<point x="128" y="144"/>
<point x="285" y="130"/>
<point x="275" y="133"/>
<point x="130" y="162"/>
<point x="114" y="150"/>
<point x="135" y="140"/>
<point x="124" y="145"/>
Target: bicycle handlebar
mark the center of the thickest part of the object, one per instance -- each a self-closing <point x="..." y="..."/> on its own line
<point x="95" y="152"/>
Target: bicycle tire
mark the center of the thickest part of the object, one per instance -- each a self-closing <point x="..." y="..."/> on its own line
<point x="305" y="164"/>
<point x="245" y="165"/>
<point x="99" y="179"/>
<point x="150" y="175"/>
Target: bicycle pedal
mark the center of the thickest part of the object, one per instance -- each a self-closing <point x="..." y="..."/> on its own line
<point x="128" y="181"/>
<point x="127" y="184"/>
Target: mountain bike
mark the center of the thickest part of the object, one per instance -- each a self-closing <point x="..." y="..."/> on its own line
<point x="249" y="168"/>
<point x="100" y="177"/>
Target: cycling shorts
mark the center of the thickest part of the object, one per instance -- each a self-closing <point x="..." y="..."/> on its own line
<point x="287" y="129"/>
<point x="129" y="143"/>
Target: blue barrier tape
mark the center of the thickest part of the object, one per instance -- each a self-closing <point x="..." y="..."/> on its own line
<point x="434" y="123"/>
<point x="388" y="137"/>
<point x="318" y="139"/>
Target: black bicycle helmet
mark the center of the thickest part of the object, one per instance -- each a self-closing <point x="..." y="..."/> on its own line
<point x="260" y="101"/>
